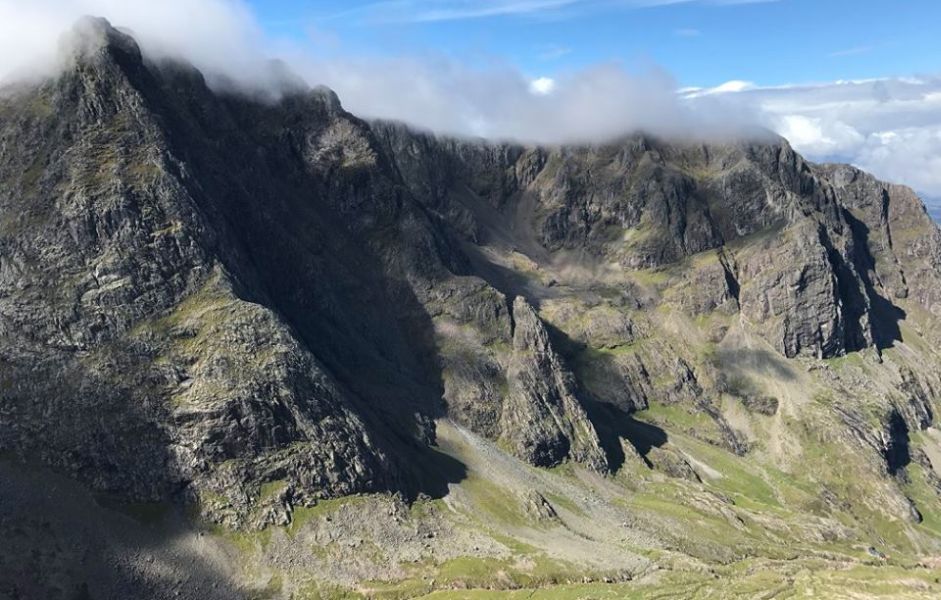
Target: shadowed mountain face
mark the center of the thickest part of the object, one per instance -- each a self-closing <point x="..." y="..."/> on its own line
<point x="248" y="305"/>
<point x="208" y="289"/>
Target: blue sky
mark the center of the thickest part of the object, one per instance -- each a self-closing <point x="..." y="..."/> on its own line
<point x="702" y="43"/>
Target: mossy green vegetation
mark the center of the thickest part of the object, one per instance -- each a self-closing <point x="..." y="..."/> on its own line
<point x="757" y="580"/>
<point x="494" y="501"/>
<point x="746" y="523"/>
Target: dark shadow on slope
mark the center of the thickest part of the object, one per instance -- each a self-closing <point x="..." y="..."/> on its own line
<point x="63" y="415"/>
<point x="885" y="316"/>
<point x="854" y="301"/>
<point x="509" y="282"/>
<point x="236" y="174"/>
<point x="897" y="451"/>
<point x="327" y="247"/>
<point x="614" y="425"/>
<point x="758" y="361"/>
<point x="425" y="469"/>
<point x="58" y="542"/>
<point x="432" y="471"/>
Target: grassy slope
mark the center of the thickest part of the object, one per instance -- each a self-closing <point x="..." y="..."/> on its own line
<point x="750" y="530"/>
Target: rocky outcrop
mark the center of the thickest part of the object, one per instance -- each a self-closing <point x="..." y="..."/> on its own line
<point x="903" y="242"/>
<point x="792" y="289"/>
<point x="542" y="420"/>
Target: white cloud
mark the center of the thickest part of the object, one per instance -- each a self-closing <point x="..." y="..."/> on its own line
<point x="216" y="35"/>
<point x="500" y="102"/>
<point x="890" y="127"/>
<point x="729" y="87"/>
<point x="910" y="155"/>
<point x="814" y="136"/>
<point x="542" y="86"/>
<point x="443" y="94"/>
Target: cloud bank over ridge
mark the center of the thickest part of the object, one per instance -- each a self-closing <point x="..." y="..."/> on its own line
<point x="891" y="127"/>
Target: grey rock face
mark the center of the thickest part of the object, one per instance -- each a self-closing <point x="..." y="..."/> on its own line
<point x="157" y="297"/>
<point x="902" y="242"/>
<point x="791" y="286"/>
<point x="644" y="203"/>
<point x="542" y="420"/>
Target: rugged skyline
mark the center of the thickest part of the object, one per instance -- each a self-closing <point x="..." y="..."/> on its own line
<point x="863" y="91"/>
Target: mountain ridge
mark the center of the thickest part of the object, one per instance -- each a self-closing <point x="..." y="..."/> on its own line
<point x="250" y="307"/>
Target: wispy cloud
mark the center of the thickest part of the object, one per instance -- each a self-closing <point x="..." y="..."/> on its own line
<point x="729" y="87"/>
<point x="503" y="103"/>
<point x="423" y="11"/>
<point x="854" y="51"/>
<point x="428" y="11"/>
<point x="687" y="32"/>
<point x="213" y="34"/>
<point x="553" y="52"/>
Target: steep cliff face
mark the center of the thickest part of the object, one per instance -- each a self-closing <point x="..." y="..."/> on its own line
<point x="794" y="257"/>
<point x="183" y="289"/>
<point x="542" y="420"/>
<point x="902" y="241"/>
<point x="658" y="265"/>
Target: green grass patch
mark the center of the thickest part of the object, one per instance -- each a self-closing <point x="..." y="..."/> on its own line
<point x="559" y="501"/>
<point x="676" y="416"/>
<point x="496" y="502"/>
<point x="271" y="489"/>
<point x="925" y="497"/>
<point x="740" y="478"/>
<point x="316" y="590"/>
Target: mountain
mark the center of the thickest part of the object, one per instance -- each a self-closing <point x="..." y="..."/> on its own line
<point x="255" y="346"/>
